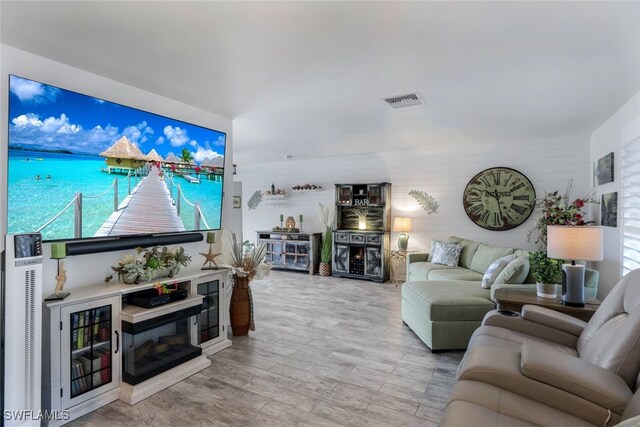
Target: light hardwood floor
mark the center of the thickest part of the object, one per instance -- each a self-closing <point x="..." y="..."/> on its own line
<point x="325" y="352"/>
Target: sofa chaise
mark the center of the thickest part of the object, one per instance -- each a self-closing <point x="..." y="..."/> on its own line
<point x="444" y="305"/>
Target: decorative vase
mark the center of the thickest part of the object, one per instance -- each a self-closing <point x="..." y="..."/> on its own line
<point x="325" y="269"/>
<point x="545" y="290"/>
<point x="240" y="306"/>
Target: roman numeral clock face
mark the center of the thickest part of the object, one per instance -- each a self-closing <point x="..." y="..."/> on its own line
<point x="499" y="199"/>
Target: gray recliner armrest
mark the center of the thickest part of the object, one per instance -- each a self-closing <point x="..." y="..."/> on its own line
<point x="528" y="327"/>
<point x="502" y="368"/>
<point x="553" y="319"/>
<point x="576" y="376"/>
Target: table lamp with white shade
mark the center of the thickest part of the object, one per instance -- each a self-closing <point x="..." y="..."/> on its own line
<point x="402" y="225"/>
<point x="569" y="242"/>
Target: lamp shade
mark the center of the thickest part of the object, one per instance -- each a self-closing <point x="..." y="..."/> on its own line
<point x="572" y="242"/>
<point x="401" y="224"/>
<point x="58" y="250"/>
<point x="211" y="237"/>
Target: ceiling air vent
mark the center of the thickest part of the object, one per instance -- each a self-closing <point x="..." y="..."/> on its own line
<point x="404" y="100"/>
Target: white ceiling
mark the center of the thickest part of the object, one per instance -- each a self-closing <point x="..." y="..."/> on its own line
<point x="306" y="78"/>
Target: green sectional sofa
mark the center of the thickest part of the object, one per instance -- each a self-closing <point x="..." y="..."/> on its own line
<point x="444" y="305"/>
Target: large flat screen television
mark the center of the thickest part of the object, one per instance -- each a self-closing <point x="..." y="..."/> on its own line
<point x="82" y="167"/>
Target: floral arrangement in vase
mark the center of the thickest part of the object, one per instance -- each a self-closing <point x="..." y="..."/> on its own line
<point x="246" y="262"/>
<point x="148" y="264"/>
<point x="559" y="209"/>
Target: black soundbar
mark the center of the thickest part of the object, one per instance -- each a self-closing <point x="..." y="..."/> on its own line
<point x="130" y="242"/>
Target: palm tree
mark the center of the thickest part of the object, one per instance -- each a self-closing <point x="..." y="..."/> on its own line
<point x="186" y="156"/>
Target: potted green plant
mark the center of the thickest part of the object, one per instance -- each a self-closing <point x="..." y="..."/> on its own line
<point x="547" y="272"/>
<point x="327" y="215"/>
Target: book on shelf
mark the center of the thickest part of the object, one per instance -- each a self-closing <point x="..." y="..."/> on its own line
<point x="74" y="328"/>
<point x="91" y="364"/>
<point x="81" y="331"/>
<point x="96" y="323"/>
<point x="105" y="365"/>
<point x="77" y="377"/>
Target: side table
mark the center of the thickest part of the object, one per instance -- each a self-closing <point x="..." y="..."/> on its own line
<point x="514" y="299"/>
<point x="396" y="258"/>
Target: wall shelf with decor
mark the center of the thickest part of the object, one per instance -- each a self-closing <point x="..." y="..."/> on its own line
<point x="306" y="188"/>
<point x="361" y="239"/>
<point x="92" y="334"/>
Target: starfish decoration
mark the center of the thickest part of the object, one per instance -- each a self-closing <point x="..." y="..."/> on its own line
<point x="210" y="258"/>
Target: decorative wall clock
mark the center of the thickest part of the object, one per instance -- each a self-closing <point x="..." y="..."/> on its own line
<point x="499" y="199"/>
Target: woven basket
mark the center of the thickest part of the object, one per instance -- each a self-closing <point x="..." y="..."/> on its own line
<point x="325" y="269"/>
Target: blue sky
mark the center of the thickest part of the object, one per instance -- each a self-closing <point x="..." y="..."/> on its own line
<point x="53" y="118"/>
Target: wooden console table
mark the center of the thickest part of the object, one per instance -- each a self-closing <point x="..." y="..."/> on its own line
<point x="514" y="299"/>
<point x="291" y="250"/>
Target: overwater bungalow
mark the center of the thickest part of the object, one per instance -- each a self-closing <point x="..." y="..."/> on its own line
<point x="172" y="159"/>
<point x="153" y="156"/>
<point x="123" y="156"/>
<point x="214" y="165"/>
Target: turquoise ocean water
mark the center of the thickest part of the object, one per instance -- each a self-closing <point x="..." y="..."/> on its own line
<point x="32" y="202"/>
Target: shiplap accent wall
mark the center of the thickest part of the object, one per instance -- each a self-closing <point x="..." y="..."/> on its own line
<point x="606" y="139"/>
<point x="442" y="172"/>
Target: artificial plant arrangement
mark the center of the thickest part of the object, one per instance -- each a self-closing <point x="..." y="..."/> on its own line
<point x="545" y="270"/>
<point x="327" y="216"/>
<point x="246" y="262"/>
<point x="559" y="209"/>
<point x="147" y="264"/>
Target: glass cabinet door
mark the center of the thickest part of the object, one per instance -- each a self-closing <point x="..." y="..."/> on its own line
<point x="375" y="195"/>
<point x="90" y="349"/>
<point x="90" y="343"/>
<point x="344" y="195"/>
<point x="209" y="318"/>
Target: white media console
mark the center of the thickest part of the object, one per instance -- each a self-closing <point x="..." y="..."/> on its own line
<point x="99" y="348"/>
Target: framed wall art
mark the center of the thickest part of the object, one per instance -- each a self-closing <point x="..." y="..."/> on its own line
<point x="609" y="209"/>
<point x="604" y="169"/>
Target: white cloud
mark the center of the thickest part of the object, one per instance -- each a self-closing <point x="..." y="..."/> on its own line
<point x="138" y="133"/>
<point x="25" y="120"/>
<point x="101" y="135"/>
<point x="59" y="125"/>
<point x="29" y="91"/>
<point x="177" y="137"/>
<point x="202" y="154"/>
<point x="160" y="140"/>
<point x="220" y="141"/>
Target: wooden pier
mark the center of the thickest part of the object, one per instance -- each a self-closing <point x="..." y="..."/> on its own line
<point x="148" y="209"/>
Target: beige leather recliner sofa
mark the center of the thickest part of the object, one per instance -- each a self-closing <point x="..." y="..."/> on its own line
<point x="546" y="368"/>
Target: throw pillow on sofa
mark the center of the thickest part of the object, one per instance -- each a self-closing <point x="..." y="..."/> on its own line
<point x="494" y="270"/>
<point x="486" y="255"/>
<point x="446" y="253"/>
<point x="516" y="272"/>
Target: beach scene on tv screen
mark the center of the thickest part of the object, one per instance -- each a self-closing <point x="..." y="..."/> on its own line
<point x="82" y="167"/>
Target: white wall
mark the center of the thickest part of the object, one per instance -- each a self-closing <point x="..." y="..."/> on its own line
<point x="606" y="139"/>
<point x="91" y="269"/>
<point x="235" y="224"/>
<point x="442" y="172"/>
